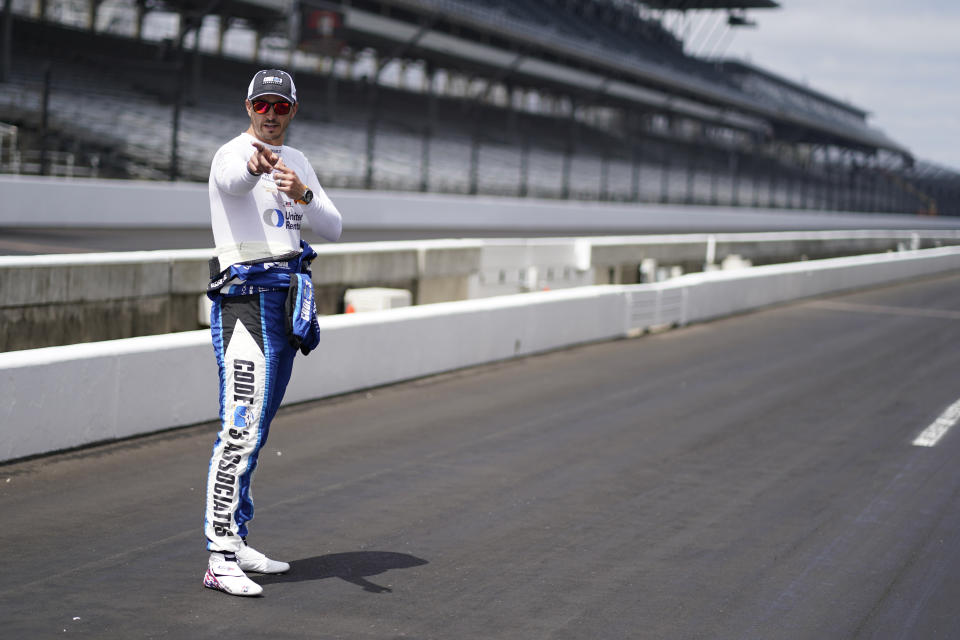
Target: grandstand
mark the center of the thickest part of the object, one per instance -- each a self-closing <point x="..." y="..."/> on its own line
<point x="583" y="99"/>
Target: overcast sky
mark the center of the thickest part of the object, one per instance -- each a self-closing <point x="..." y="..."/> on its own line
<point x="897" y="59"/>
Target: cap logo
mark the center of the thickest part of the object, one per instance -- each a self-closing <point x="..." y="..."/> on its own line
<point x="272" y="81"/>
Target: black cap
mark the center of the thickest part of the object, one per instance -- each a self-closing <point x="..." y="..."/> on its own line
<point x="272" y="82"/>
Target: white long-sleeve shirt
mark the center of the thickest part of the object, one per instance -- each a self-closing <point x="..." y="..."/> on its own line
<point x="251" y="218"/>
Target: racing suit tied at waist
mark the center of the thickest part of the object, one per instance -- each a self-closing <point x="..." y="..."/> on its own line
<point x="288" y="272"/>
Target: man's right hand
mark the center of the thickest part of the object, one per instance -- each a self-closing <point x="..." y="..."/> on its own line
<point x="263" y="160"/>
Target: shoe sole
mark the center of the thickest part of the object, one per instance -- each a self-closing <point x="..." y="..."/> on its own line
<point x="210" y="581"/>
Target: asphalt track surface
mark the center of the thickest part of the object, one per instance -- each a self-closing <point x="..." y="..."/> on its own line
<point x="752" y="477"/>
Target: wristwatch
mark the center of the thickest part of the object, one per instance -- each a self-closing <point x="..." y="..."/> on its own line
<point x="306" y="198"/>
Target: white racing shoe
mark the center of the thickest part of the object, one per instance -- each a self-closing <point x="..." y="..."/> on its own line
<point x="250" y="559"/>
<point x="227" y="576"/>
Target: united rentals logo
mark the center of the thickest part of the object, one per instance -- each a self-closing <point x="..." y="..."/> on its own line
<point x="274" y="218"/>
<point x="279" y="219"/>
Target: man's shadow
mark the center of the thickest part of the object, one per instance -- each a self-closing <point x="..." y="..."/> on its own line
<point x="352" y="566"/>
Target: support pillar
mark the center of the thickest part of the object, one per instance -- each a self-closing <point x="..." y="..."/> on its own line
<point x="803" y="164"/>
<point x="524" y="188"/>
<point x="772" y="184"/>
<point x="734" y="165"/>
<point x="93" y="9"/>
<point x="140" y="7"/>
<point x="196" y="88"/>
<point x="45" y="118"/>
<point x="258" y="38"/>
<point x="512" y="109"/>
<point x="177" y="106"/>
<point x="429" y="127"/>
<point x="665" y="175"/>
<point x="372" y="123"/>
<point x="6" y="47"/>
<point x="605" y="176"/>
<point x="714" y="184"/>
<point x="568" y="152"/>
<point x="330" y="110"/>
<point x="474" y="179"/>
<point x="635" y="170"/>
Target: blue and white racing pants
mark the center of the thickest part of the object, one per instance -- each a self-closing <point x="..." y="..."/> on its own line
<point x="255" y="358"/>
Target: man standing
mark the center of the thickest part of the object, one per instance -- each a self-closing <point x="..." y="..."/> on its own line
<point x="262" y="310"/>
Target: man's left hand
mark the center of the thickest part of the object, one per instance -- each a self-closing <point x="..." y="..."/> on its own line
<point x="288" y="182"/>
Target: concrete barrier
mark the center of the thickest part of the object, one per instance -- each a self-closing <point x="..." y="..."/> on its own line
<point x="48" y="300"/>
<point x="144" y="204"/>
<point x="722" y="293"/>
<point x="62" y="397"/>
<point x="381" y="347"/>
<point x="62" y="299"/>
<point x="616" y="259"/>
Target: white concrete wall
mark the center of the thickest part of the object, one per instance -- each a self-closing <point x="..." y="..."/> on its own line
<point x="62" y="397"/>
<point x="490" y="267"/>
<point x="34" y="201"/>
<point x="380" y="347"/>
<point x="721" y="293"/>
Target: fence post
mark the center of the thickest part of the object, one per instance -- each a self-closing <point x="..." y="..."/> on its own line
<point x="45" y="118"/>
<point x="7" y="48"/>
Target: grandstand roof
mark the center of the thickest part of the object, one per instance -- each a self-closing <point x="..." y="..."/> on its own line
<point x="590" y="68"/>
<point x="742" y="65"/>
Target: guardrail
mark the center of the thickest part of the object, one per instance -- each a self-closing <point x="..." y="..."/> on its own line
<point x="70" y="396"/>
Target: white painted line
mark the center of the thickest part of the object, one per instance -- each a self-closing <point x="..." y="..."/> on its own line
<point x="932" y="434"/>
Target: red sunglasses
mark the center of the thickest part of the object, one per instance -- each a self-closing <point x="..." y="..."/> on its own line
<point x="281" y="108"/>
